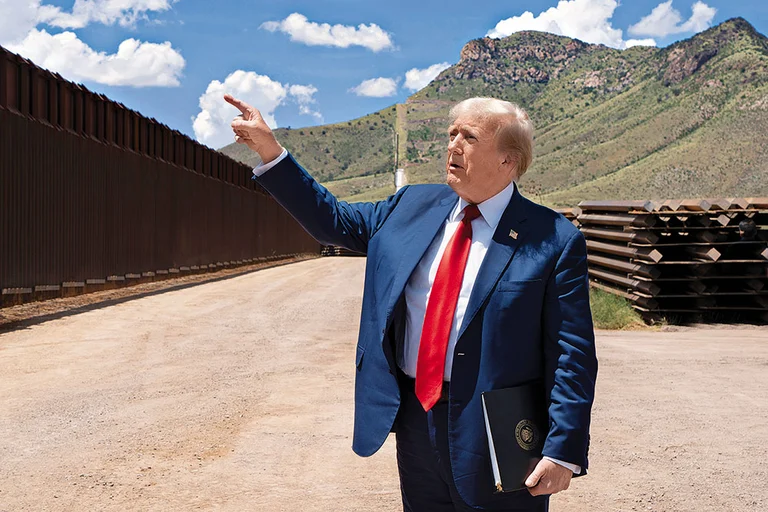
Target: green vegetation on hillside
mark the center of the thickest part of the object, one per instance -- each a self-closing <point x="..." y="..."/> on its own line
<point x="361" y="147"/>
<point x="687" y="120"/>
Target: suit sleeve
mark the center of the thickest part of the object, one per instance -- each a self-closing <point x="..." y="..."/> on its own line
<point x="328" y="220"/>
<point x="570" y="359"/>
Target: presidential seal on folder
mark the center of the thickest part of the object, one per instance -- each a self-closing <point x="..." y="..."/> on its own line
<point x="516" y="422"/>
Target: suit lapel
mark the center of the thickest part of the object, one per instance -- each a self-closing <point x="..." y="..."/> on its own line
<point x="509" y="235"/>
<point x="415" y="244"/>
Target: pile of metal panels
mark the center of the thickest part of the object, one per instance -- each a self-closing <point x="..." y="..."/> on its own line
<point x="332" y="250"/>
<point x="680" y="258"/>
<point x="572" y="214"/>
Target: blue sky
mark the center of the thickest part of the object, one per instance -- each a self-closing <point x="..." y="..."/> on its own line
<point x="173" y="59"/>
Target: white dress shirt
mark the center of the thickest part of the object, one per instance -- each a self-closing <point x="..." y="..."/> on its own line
<point x="420" y="283"/>
<point x="262" y="167"/>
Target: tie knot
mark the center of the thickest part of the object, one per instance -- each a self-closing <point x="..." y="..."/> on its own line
<point x="471" y="212"/>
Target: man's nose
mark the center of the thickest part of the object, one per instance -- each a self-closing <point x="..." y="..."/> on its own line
<point x="454" y="146"/>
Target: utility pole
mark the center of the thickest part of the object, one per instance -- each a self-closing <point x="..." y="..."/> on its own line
<point x="400" y="179"/>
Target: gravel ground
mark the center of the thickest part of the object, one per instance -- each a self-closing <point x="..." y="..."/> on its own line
<point x="237" y="395"/>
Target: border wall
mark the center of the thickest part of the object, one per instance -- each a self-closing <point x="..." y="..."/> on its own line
<point x="93" y="195"/>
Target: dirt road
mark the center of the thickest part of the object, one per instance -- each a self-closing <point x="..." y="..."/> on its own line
<point x="237" y="395"/>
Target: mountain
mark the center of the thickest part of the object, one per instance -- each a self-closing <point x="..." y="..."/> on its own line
<point x="688" y="120"/>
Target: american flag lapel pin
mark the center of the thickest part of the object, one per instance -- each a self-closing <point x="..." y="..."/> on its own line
<point x="513" y="234"/>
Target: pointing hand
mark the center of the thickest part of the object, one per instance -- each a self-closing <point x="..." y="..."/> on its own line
<point x="251" y="130"/>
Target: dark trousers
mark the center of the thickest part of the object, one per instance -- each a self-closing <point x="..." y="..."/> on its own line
<point x="426" y="480"/>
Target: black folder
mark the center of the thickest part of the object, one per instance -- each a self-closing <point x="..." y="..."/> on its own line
<point x="517" y="422"/>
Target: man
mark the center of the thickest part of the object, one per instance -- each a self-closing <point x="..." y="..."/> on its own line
<point x="747" y="247"/>
<point x="469" y="287"/>
<point x="747" y="230"/>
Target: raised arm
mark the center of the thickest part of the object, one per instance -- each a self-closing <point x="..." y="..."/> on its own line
<point x="329" y="221"/>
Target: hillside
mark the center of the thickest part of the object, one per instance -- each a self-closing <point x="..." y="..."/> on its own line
<point x="690" y="119"/>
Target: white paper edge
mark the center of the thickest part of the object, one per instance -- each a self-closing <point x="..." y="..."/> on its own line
<point x="494" y="462"/>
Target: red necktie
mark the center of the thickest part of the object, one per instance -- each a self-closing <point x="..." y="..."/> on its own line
<point x="441" y="306"/>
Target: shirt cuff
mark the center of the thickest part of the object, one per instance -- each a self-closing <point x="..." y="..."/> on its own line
<point x="573" y="467"/>
<point x="262" y="167"/>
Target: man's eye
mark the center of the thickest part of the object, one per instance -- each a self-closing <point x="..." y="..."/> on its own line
<point x="471" y="137"/>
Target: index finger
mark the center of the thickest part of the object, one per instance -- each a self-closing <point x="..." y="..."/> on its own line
<point x="240" y="105"/>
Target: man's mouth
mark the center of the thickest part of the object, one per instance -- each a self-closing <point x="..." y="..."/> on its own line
<point x="454" y="166"/>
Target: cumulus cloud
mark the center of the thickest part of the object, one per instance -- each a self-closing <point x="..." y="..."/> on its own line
<point x="629" y="43"/>
<point x="305" y="96"/>
<point x="18" y="18"/>
<point x="416" y="79"/>
<point x="135" y="63"/>
<point x="322" y="34"/>
<point x="376" y="88"/>
<point x="212" y="124"/>
<point x="665" y="20"/>
<point x="587" y="20"/>
<point x="108" y="12"/>
<point x="701" y="19"/>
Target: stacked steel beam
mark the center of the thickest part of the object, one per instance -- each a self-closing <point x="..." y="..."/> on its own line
<point x="680" y="258"/>
<point x="572" y="214"/>
<point x="332" y="250"/>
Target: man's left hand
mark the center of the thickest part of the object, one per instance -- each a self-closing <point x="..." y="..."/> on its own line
<point x="548" y="478"/>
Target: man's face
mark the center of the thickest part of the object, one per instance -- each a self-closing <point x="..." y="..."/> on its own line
<point x="475" y="168"/>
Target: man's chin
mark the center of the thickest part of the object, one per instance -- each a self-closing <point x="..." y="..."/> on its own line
<point x="455" y="183"/>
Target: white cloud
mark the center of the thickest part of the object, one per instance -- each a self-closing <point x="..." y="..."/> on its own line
<point x="108" y="12"/>
<point x="629" y="43"/>
<point x="665" y="20"/>
<point x="212" y="124"/>
<point x="416" y="79"/>
<point x="587" y="20"/>
<point x="304" y="95"/>
<point x="322" y="34"/>
<point x="701" y="19"/>
<point x="135" y="63"/>
<point x="17" y="19"/>
<point x="376" y="88"/>
<point x="662" y="21"/>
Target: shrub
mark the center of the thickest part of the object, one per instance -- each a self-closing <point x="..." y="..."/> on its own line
<point x="612" y="312"/>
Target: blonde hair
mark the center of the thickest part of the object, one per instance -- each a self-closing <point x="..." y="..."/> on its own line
<point x="514" y="129"/>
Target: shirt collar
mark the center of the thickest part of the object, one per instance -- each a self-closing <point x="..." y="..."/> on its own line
<point x="491" y="209"/>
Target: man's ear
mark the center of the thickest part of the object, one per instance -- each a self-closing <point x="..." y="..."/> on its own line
<point x="509" y="165"/>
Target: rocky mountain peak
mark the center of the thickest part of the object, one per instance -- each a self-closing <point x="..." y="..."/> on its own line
<point x="684" y="58"/>
<point x="526" y="56"/>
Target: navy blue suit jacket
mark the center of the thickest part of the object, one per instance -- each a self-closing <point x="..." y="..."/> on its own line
<point x="528" y="316"/>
